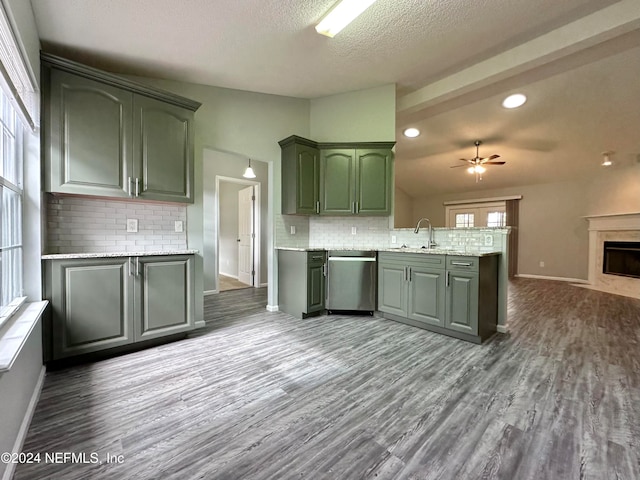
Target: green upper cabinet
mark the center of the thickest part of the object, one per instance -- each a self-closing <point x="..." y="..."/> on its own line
<point x="162" y="150"/>
<point x="336" y="178"/>
<point x="373" y="181"/>
<point x="87" y="136"/>
<point x="300" y="176"/>
<point x="106" y="136"/>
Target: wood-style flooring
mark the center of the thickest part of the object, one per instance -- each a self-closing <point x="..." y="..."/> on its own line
<point x="229" y="283"/>
<point x="259" y="395"/>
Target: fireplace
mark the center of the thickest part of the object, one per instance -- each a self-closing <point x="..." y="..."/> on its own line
<point x="614" y="256"/>
<point x="621" y="258"/>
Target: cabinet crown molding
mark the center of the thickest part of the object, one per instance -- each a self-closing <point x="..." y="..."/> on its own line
<point x="53" y="61"/>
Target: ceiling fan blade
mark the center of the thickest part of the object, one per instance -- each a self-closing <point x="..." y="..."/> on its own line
<point x="457" y="166"/>
<point x="490" y="158"/>
<point x="494" y="163"/>
<point x="465" y="160"/>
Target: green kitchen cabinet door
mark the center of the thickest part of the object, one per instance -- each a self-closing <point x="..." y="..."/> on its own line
<point x="92" y="305"/>
<point x="162" y="150"/>
<point x="373" y="182"/>
<point x="337" y="182"/>
<point x="315" y="287"/>
<point x="307" y="182"/>
<point x="165" y="296"/>
<point x="427" y="289"/>
<point x="392" y="288"/>
<point x="462" y="302"/>
<point x="86" y="131"/>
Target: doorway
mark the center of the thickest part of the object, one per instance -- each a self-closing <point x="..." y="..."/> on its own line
<point x="238" y="227"/>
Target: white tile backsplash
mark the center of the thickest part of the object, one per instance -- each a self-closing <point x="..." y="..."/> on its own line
<point x="88" y="225"/>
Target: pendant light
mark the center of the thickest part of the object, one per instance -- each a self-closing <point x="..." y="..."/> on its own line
<point x="249" y="173"/>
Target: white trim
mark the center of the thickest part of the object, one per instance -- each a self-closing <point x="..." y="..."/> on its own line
<point x="26" y="423"/>
<point x="235" y="277"/>
<point x="483" y="200"/>
<point x="273" y="308"/>
<point x="501" y="328"/>
<point x="546" y="277"/>
<point x="257" y="223"/>
<point x="19" y="328"/>
<point x="211" y="292"/>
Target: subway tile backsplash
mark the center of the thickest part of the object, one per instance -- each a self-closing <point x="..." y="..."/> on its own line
<point x="91" y="225"/>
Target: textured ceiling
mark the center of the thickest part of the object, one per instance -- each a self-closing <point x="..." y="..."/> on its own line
<point x="447" y="58"/>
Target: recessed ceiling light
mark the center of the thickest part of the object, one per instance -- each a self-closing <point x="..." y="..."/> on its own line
<point x="411" y="132"/>
<point x="514" y="101"/>
<point x="341" y="15"/>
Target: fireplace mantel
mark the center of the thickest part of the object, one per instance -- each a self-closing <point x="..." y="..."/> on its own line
<point x="613" y="227"/>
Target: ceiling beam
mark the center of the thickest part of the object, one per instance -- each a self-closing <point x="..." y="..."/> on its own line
<point x="586" y="33"/>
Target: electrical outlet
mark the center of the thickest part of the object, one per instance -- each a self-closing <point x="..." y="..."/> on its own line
<point x="293" y="229"/>
<point x="393" y="239"/>
<point x="132" y="225"/>
<point x="178" y="226"/>
<point x="488" y="240"/>
<point x="541" y="264"/>
<point x="354" y="230"/>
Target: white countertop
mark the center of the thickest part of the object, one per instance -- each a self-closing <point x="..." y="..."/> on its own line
<point x="66" y="256"/>
<point x="424" y="251"/>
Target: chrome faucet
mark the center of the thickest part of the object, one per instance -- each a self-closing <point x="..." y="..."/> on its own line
<point x="430" y="242"/>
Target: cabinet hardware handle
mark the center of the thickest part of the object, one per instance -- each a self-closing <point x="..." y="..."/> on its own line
<point x="406" y="276"/>
<point x="137" y="187"/>
<point x="462" y="264"/>
<point x="324" y="269"/>
<point x="137" y="266"/>
<point x="129" y="266"/>
<point x="353" y="207"/>
<point x="130" y="190"/>
<point x="357" y="207"/>
<point x="448" y="278"/>
<point x="316" y="258"/>
<point x="410" y="273"/>
<point x="318" y="206"/>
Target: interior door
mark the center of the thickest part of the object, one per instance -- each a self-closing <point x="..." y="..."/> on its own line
<point x="246" y="235"/>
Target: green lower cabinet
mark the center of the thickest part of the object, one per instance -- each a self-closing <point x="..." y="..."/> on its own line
<point x="166" y="296"/>
<point x="392" y="288"/>
<point x="102" y="303"/>
<point x="301" y="282"/>
<point x="427" y="295"/>
<point x="448" y="294"/>
<point x="91" y="305"/>
<point x="462" y="302"/>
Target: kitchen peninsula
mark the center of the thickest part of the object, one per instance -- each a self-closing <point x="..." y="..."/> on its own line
<point x="458" y="288"/>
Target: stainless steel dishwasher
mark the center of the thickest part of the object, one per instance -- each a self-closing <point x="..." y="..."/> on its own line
<point x="351" y="280"/>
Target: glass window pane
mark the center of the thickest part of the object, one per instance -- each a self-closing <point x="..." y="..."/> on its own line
<point x="496" y="219"/>
<point x="464" y="220"/>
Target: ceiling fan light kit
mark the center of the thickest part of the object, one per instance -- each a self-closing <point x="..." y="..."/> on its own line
<point x="478" y="163"/>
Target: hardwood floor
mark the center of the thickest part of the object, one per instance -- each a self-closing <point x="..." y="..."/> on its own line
<point x="229" y="283"/>
<point x="259" y="395"/>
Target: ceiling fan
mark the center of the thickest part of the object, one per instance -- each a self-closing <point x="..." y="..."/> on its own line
<point x="477" y="163"/>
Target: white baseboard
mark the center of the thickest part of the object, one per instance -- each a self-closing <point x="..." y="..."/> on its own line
<point x="26" y="422"/>
<point x="272" y="308"/>
<point x="501" y="328"/>
<point x="265" y="284"/>
<point x="545" y="277"/>
<point x="229" y="275"/>
<point x="210" y="292"/>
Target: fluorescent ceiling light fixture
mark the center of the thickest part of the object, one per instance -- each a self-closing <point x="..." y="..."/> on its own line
<point x="249" y="173"/>
<point x="341" y="15"/>
<point x="514" y="101"/>
<point x="411" y="132"/>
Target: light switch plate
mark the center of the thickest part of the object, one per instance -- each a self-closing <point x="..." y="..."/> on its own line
<point x="354" y="230"/>
<point x="178" y="226"/>
<point x="132" y="225"/>
<point x="488" y="240"/>
<point x="293" y="230"/>
<point x="393" y="239"/>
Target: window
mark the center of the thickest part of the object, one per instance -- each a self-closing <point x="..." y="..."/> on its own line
<point x="464" y="220"/>
<point x="10" y="209"/>
<point x="496" y="219"/>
